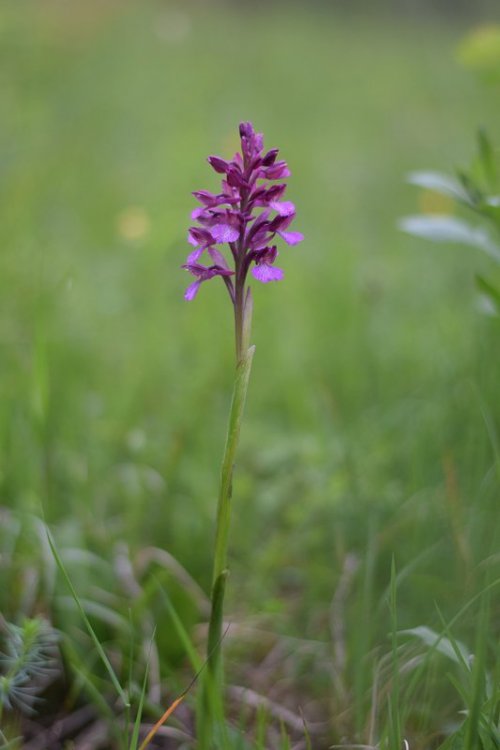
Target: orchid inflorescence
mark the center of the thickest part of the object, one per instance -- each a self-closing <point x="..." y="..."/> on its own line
<point x="232" y="217"/>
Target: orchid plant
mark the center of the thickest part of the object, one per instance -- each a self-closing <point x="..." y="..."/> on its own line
<point x="247" y="216"/>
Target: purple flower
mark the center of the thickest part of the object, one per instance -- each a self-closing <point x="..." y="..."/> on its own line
<point x="246" y="215"/>
<point x="203" y="273"/>
<point x="264" y="269"/>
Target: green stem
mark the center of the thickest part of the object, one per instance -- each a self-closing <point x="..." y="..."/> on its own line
<point x="244" y="355"/>
<point x="226" y="480"/>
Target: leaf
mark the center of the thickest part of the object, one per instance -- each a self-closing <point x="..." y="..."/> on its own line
<point x="490" y="208"/>
<point x="137" y="723"/>
<point x="440" y="183"/>
<point x="455" y="741"/>
<point x="475" y="194"/>
<point x="11" y="744"/>
<point x="450" y="229"/>
<point x="99" y="648"/>
<point x="84" y="680"/>
<point x="493" y="201"/>
<point x="179" y="628"/>
<point x="487" y="157"/>
<point x="215" y="625"/>
<point x="100" y="612"/>
<point x="439" y="643"/>
<point x="490" y="295"/>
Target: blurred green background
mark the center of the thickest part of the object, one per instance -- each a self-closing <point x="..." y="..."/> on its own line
<point x="374" y="398"/>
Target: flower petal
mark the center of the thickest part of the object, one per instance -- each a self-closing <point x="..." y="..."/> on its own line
<point x="277" y="171"/>
<point x="196" y="213"/>
<point x="285" y="208"/>
<point x="235" y="177"/>
<point x="220" y="165"/>
<point x="269" y="158"/>
<point x="246" y="130"/>
<point x="208" y="199"/>
<point x="265" y="273"/>
<point x="218" y="258"/>
<point x="192" y="290"/>
<point x="193" y="257"/>
<point x="291" y="238"/>
<point x="199" y="236"/>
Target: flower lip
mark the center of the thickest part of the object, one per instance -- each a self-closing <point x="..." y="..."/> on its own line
<point x="284" y="208"/>
<point x="224" y="233"/>
<point x="266" y="272"/>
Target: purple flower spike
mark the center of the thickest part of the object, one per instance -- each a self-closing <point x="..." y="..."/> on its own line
<point x="247" y="215"/>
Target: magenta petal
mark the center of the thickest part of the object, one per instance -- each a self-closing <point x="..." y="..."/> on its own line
<point x="285" y="208"/>
<point x="218" y="258"/>
<point x="234" y="177"/>
<point x="208" y="199"/>
<point x="269" y="158"/>
<point x="192" y="290"/>
<point x="277" y="171"/>
<point x="224" y="233"/>
<point x="258" y="143"/>
<point x="246" y="130"/>
<point x="265" y="273"/>
<point x="220" y="165"/>
<point x="291" y="238"/>
<point x="197" y="212"/>
<point x="193" y="257"/>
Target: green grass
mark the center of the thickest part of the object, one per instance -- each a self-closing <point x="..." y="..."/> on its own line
<point x="374" y="404"/>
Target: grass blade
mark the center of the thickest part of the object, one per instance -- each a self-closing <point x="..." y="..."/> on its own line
<point x="137" y="723"/>
<point x="95" y="639"/>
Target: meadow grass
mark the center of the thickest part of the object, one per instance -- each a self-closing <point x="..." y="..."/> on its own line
<point x="371" y="431"/>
